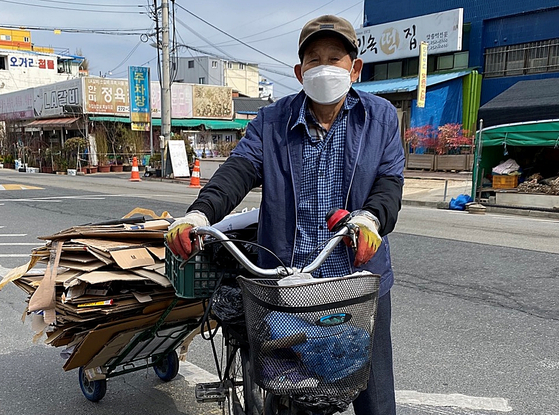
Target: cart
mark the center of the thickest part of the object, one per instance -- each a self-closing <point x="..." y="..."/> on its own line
<point x="153" y="347"/>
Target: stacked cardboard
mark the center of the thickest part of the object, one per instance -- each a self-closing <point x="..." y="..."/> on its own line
<point x="90" y="286"/>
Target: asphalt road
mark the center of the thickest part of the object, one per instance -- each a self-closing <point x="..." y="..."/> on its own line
<point x="475" y="307"/>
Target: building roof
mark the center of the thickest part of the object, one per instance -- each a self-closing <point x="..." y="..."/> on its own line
<point x="391" y="86"/>
<point x="530" y="100"/>
<point x="244" y="105"/>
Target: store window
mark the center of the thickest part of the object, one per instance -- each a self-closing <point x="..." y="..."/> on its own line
<point x="526" y="58"/>
<point x="3" y="63"/>
<point x="445" y="62"/>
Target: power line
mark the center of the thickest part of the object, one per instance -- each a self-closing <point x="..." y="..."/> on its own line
<point x="117" y="32"/>
<point x="233" y="37"/>
<point x="291" y="21"/>
<point x="68" y="8"/>
<point x="91" y="4"/>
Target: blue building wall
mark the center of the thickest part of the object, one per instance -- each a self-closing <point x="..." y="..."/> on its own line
<point x="493" y="23"/>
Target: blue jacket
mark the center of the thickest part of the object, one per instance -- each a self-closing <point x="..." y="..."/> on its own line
<point x="372" y="178"/>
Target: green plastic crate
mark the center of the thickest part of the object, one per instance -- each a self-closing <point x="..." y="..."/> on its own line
<point x="199" y="276"/>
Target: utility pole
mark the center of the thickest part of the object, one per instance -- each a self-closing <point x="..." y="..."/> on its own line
<point x="165" y="83"/>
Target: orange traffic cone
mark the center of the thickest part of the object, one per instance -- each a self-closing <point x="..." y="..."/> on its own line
<point x="135" y="175"/>
<point x="195" y="178"/>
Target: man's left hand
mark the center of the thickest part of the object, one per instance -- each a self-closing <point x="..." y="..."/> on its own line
<point x="368" y="238"/>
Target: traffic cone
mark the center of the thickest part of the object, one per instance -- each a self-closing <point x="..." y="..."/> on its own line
<point x="135" y="175"/>
<point x="195" y="178"/>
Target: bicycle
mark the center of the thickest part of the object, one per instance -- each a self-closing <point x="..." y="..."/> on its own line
<point x="279" y="365"/>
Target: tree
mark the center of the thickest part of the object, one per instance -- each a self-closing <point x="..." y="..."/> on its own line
<point x="84" y="66"/>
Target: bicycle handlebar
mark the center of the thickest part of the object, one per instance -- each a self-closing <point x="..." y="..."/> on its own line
<point x="280" y="271"/>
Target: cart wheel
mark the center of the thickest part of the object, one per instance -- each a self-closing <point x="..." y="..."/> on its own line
<point x="94" y="390"/>
<point x="168" y="367"/>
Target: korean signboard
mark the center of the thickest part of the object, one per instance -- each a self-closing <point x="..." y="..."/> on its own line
<point x="43" y="63"/>
<point x="401" y="39"/>
<point x="16" y="105"/>
<point x="58" y="99"/>
<point x="107" y="96"/>
<point x="140" y="115"/>
<point x="181" y="100"/>
<point x="212" y="102"/>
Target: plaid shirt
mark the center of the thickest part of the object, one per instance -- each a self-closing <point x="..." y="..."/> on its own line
<point x="321" y="189"/>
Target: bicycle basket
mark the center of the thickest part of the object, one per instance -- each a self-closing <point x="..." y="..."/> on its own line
<point x="311" y="338"/>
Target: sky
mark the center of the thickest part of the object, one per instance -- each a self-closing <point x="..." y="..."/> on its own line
<point x="269" y="31"/>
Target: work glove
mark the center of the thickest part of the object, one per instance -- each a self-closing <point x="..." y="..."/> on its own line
<point x="368" y="239"/>
<point x="178" y="234"/>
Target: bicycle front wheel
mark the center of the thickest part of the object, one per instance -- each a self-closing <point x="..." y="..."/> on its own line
<point x="245" y="397"/>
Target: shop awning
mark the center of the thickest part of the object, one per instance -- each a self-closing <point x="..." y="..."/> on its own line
<point x="536" y="133"/>
<point x="391" y="86"/>
<point x="532" y="100"/>
<point x="52" y="122"/>
<point x="185" y="122"/>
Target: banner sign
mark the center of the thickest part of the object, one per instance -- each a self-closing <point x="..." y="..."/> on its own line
<point x="212" y="102"/>
<point x="106" y="96"/>
<point x="16" y="105"/>
<point x="57" y="99"/>
<point x="401" y="39"/>
<point x="422" y="75"/>
<point x="138" y="81"/>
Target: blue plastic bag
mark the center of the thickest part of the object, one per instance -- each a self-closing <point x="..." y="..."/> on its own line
<point x="330" y="353"/>
<point x="460" y="202"/>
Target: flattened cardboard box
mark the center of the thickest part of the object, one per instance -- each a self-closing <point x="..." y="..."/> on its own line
<point x="132" y="258"/>
<point x="98" y="337"/>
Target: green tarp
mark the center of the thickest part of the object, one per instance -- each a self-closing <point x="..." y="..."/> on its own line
<point x="540" y="133"/>
<point x="186" y="122"/>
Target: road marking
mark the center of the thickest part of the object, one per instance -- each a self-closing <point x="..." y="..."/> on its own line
<point x="455" y="400"/>
<point x="20" y="243"/>
<point x="194" y="374"/>
<point x="18" y="187"/>
<point x="15" y="255"/>
<point x="13" y="234"/>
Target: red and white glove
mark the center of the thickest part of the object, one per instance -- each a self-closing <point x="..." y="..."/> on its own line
<point x="178" y="234"/>
<point x="368" y="238"/>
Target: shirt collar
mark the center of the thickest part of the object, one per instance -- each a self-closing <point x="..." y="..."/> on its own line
<point x="305" y="115"/>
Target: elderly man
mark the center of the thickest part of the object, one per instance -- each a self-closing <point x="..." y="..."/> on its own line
<point x="328" y="146"/>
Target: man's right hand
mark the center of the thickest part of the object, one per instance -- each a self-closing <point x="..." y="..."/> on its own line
<point x="178" y="234"/>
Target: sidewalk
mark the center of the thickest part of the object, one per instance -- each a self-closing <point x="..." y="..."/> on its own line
<point x="426" y="188"/>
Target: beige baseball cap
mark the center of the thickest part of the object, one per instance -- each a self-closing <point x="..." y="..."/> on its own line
<point x="324" y="24"/>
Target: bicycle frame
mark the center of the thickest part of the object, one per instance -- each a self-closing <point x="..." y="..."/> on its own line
<point x="253" y="403"/>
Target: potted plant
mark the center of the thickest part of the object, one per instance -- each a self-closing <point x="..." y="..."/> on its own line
<point x="421" y="142"/>
<point x="451" y="141"/>
<point x="102" y="149"/>
<point x="9" y="162"/>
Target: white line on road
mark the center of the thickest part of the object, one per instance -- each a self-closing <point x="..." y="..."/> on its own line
<point x="455" y="400"/>
<point x="13" y="234"/>
<point x="14" y="255"/>
<point x="20" y="243"/>
<point x="194" y="374"/>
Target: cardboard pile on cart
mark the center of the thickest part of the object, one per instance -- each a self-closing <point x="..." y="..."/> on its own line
<point x="94" y="288"/>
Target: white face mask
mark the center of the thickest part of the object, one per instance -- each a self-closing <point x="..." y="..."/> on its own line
<point x="327" y="84"/>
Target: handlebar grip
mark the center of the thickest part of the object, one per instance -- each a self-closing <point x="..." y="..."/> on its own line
<point x="336" y="218"/>
<point x="283" y="343"/>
